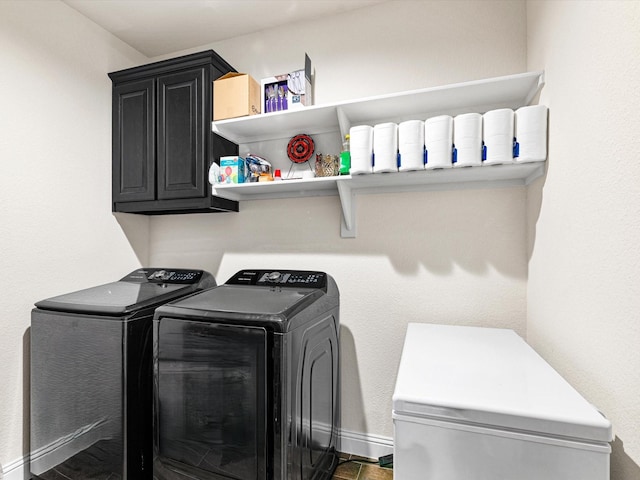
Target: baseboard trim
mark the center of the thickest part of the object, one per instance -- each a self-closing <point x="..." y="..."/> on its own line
<point x="356" y="443"/>
<point x="365" y="444"/>
<point x="16" y="470"/>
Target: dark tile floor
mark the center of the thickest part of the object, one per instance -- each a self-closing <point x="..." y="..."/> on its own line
<point x="352" y="467"/>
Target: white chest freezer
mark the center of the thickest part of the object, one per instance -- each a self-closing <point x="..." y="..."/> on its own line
<point x="479" y="403"/>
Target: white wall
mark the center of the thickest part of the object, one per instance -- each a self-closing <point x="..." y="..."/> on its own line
<point x="584" y="274"/>
<point x="444" y="257"/>
<point x="57" y="233"/>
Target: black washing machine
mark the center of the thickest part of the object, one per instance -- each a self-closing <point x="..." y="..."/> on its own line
<point x="92" y="376"/>
<point x="246" y="380"/>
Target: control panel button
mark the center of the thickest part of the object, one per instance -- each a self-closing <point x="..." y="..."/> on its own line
<point x="273" y="276"/>
<point x="160" y="275"/>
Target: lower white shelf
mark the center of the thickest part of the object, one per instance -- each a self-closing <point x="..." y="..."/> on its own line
<point x="348" y="187"/>
<point x="312" y="187"/>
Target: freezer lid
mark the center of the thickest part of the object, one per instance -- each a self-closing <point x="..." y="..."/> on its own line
<point x="140" y="289"/>
<point x="489" y="377"/>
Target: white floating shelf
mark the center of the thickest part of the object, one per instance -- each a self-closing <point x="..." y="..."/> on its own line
<point x="511" y="91"/>
<point x="312" y="187"/>
<point x="480" y="96"/>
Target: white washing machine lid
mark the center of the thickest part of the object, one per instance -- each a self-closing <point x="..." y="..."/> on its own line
<point x="489" y="377"/>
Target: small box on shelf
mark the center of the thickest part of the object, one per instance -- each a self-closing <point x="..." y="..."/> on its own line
<point x="288" y="91"/>
<point x="235" y="95"/>
<point x="232" y="169"/>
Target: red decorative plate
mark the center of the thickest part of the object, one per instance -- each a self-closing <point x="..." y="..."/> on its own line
<point x="300" y="148"/>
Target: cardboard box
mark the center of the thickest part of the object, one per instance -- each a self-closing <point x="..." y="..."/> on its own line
<point x="288" y="91"/>
<point x="235" y="95"/>
<point x="232" y="169"/>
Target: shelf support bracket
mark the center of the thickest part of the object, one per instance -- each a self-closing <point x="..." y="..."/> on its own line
<point x="348" y="203"/>
<point x="343" y="123"/>
<point x="534" y="91"/>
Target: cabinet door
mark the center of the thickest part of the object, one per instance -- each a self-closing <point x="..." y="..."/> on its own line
<point x="181" y="133"/>
<point x="134" y="169"/>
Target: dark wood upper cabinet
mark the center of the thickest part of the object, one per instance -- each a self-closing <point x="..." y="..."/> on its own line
<point x="162" y="140"/>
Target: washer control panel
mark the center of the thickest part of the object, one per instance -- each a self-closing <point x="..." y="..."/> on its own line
<point x="164" y="275"/>
<point x="282" y="278"/>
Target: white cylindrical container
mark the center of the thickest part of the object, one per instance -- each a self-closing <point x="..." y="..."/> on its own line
<point x="361" y="144"/>
<point x="531" y="133"/>
<point x="467" y="140"/>
<point x="438" y="141"/>
<point x="385" y="148"/>
<point x="498" y="133"/>
<point x="411" y="145"/>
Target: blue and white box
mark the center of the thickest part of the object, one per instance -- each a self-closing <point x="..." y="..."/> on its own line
<point x="232" y="169"/>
